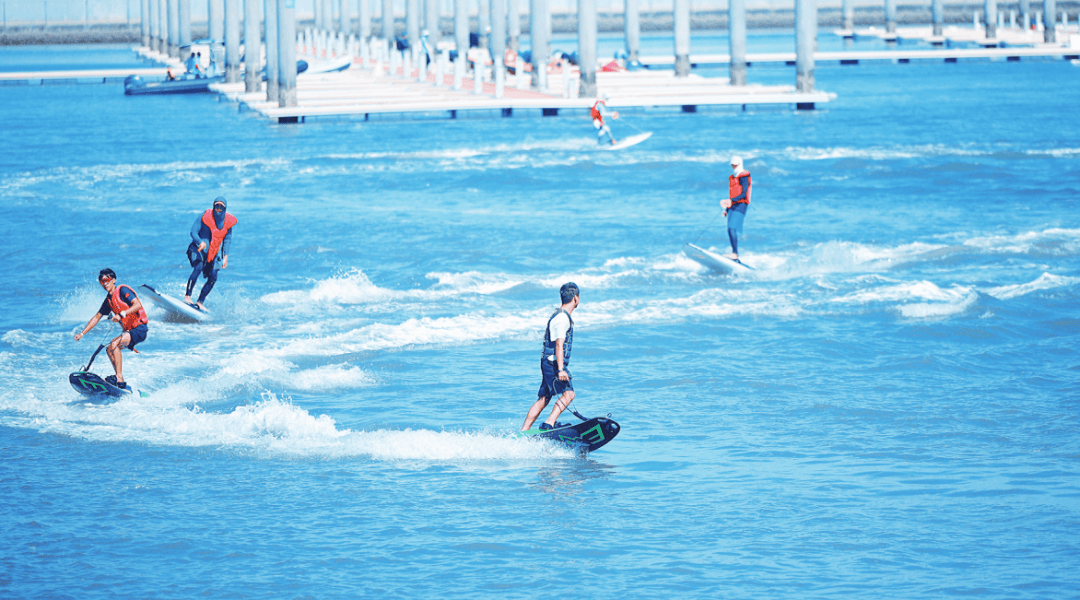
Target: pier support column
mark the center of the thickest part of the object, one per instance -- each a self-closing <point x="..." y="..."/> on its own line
<point x="215" y="20"/>
<point x="183" y="24"/>
<point x="363" y="29"/>
<point x="286" y="22"/>
<point x="632" y="30"/>
<point x="513" y="24"/>
<point x="847" y="11"/>
<point x="737" y="40"/>
<point x="163" y="27"/>
<point x="990" y="18"/>
<point x="433" y="23"/>
<point x="498" y="45"/>
<point x="174" y="28"/>
<point x="461" y="41"/>
<point x="144" y="23"/>
<point x="587" y="48"/>
<point x="273" y="58"/>
<point x="1025" y="14"/>
<point x="937" y="17"/>
<point x="682" y="37"/>
<point x="890" y="16"/>
<point x="154" y="33"/>
<point x="483" y="22"/>
<point x="1049" y="18"/>
<point x="232" y="41"/>
<point x="388" y="22"/>
<point x="540" y="41"/>
<point x="252" y="46"/>
<point x="805" y="41"/>
<point x="343" y="18"/>
<point x="412" y="27"/>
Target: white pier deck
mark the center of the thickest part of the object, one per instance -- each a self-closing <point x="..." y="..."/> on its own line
<point x="90" y="75"/>
<point x="360" y="92"/>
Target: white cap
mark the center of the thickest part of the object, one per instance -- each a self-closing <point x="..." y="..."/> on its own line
<point x="736" y="161"/>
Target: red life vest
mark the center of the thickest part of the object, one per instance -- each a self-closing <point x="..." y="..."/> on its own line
<point x="595" y="112"/>
<point x="133" y="319"/>
<point x="216" y="235"/>
<point x="735" y="188"/>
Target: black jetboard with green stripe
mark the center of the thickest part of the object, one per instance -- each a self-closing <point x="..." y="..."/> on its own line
<point x="99" y="391"/>
<point x="587" y="436"/>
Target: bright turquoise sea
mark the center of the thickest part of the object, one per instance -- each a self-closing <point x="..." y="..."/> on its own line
<point x="887" y="408"/>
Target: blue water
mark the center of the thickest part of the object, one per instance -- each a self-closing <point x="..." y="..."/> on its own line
<point x="887" y="408"/>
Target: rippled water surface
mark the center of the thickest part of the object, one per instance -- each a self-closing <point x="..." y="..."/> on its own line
<point x="887" y="407"/>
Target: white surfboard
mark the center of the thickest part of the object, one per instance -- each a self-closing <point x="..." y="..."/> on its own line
<point x="715" y="261"/>
<point x="177" y="309"/>
<point x="626" y="142"/>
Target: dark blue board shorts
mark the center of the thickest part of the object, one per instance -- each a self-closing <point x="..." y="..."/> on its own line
<point x="138" y="335"/>
<point x="550" y="385"/>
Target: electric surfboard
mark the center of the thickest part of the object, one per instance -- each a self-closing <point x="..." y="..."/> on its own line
<point x="715" y="261"/>
<point x="626" y="142"/>
<point x="587" y="436"/>
<point x="177" y="309"/>
<point x="98" y="391"/>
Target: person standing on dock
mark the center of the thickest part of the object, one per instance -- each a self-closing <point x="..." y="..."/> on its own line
<point x="126" y="308"/>
<point x="211" y="236"/>
<point x="736" y="203"/>
<point x="598" y="112"/>
<point x="555" y="379"/>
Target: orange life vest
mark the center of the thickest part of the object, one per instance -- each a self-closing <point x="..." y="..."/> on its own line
<point x="595" y="112"/>
<point x="133" y="319"/>
<point x="216" y="235"/>
<point x="735" y="188"/>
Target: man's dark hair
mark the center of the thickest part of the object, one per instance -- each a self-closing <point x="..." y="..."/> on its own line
<point x="568" y="291"/>
<point x="106" y="273"/>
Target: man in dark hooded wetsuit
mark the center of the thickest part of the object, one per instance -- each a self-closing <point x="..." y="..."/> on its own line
<point x="211" y="236"/>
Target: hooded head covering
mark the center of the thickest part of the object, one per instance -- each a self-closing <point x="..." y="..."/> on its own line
<point x="219" y="218"/>
<point x="736" y="165"/>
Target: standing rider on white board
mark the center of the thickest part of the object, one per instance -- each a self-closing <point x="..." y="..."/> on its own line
<point x="736" y="203"/>
<point x="598" y="112"/>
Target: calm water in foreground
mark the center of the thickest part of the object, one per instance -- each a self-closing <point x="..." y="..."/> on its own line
<point x="887" y="408"/>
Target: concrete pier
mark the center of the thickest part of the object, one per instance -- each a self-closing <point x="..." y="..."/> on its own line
<point x="682" y="37"/>
<point x="483" y="22"/>
<point x="540" y="41"/>
<point x="388" y="20"/>
<point x="183" y="24"/>
<point x="412" y="26"/>
<point x="990" y="18"/>
<point x="252" y="46"/>
<point x="461" y="41"/>
<point x="632" y="29"/>
<point x="163" y="27"/>
<point x="847" y="14"/>
<point x="737" y="40"/>
<point x="215" y="26"/>
<point x="513" y="25"/>
<point x="286" y="18"/>
<point x="433" y="26"/>
<point x="498" y="45"/>
<point x="154" y="44"/>
<point x="363" y="26"/>
<point x="805" y="45"/>
<point x="890" y="15"/>
<point x="270" y="16"/>
<point x="173" y="10"/>
<point x="937" y="17"/>
<point x="144" y="23"/>
<point x="232" y="41"/>
<point x="587" y="48"/>
<point x="1049" y="18"/>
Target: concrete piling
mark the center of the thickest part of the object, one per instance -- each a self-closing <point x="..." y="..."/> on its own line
<point x="163" y="27"/>
<point x="1025" y="14"/>
<point x="990" y="18"/>
<point x="540" y="40"/>
<point x="498" y="45"/>
<point x="1049" y="31"/>
<point x="232" y="41"/>
<point x="286" y="22"/>
<point x="682" y="37"/>
<point x="632" y="29"/>
<point x="363" y="28"/>
<point x="461" y="41"/>
<point x="483" y="22"/>
<point x="937" y="17"/>
<point x="273" y="59"/>
<point x="252" y="46"/>
<point x="174" y="27"/>
<point x="847" y="11"/>
<point x="805" y="40"/>
<point x="412" y="30"/>
<point x="513" y="24"/>
<point x="890" y="16"/>
<point x="183" y="24"/>
<point x="153" y="22"/>
<point x="215" y="17"/>
<point x="144" y="23"/>
<point x="587" y="48"/>
<point x="388" y="20"/>
<point x="737" y="40"/>
<point x="433" y="24"/>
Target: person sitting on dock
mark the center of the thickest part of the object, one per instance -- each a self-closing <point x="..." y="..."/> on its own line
<point x="209" y="249"/>
<point x="598" y="112"/>
<point x="736" y="203"/>
<point x="126" y="308"/>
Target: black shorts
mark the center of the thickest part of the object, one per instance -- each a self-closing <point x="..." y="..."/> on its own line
<point x="138" y="335"/>
<point x="550" y="385"/>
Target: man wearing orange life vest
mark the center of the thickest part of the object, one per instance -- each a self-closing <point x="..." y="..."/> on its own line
<point x="736" y="203"/>
<point x="124" y="304"/>
<point x="211" y="236"/>
<point x="598" y="112"/>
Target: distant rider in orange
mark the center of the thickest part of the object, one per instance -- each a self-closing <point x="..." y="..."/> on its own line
<point x="736" y="203"/>
<point x="598" y="112"/>
<point x="124" y="304"/>
<point x="211" y="236"/>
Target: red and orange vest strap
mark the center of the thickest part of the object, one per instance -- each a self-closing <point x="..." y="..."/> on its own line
<point x="132" y="319"/>
<point x="216" y="235"/>
<point x="735" y="188"/>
